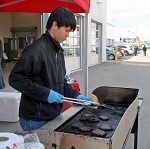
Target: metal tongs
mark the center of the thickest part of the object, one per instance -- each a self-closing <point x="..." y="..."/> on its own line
<point x="87" y="103"/>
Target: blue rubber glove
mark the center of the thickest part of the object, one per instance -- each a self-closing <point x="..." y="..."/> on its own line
<point x="55" y="97"/>
<point x="86" y="99"/>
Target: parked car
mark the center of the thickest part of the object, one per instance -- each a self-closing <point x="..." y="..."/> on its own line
<point x="110" y="53"/>
<point x="128" y="50"/>
<point x="119" y="50"/>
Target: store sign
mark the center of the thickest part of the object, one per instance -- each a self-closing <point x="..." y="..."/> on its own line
<point x="129" y="40"/>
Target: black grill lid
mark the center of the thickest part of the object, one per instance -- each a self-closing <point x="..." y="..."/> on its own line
<point x="116" y="95"/>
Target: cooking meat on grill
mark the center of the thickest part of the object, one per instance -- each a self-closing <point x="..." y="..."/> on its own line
<point x="105" y="127"/>
<point x="77" y="125"/>
<point x="104" y="118"/>
<point x="88" y="115"/>
<point x="98" y="132"/>
<point x="93" y="119"/>
<point x="85" y="117"/>
<point x="84" y="128"/>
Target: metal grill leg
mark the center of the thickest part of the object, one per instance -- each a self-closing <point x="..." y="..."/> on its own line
<point x="135" y="131"/>
<point x="135" y="140"/>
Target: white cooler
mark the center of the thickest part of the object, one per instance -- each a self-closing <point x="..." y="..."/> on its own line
<point x="9" y="106"/>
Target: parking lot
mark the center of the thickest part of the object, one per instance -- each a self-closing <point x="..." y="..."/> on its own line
<point x="130" y="72"/>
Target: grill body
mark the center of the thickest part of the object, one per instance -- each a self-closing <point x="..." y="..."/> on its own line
<point x="62" y="138"/>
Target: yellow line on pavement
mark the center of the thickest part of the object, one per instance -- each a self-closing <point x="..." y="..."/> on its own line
<point x="136" y="64"/>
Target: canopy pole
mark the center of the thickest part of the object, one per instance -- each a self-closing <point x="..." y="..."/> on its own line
<point x="86" y="50"/>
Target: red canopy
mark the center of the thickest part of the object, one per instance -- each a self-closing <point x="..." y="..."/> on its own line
<point x="44" y="6"/>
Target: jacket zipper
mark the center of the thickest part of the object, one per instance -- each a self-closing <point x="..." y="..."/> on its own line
<point x="57" y="65"/>
<point x="39" y="113"/>
<point x="57" y="75"/>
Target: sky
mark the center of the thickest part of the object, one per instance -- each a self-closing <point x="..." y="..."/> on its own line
<point x="132" y="18"/>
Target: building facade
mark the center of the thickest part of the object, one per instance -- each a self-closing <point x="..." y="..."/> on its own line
<point x="110" y="32"/>
<point x="18" y="29"/>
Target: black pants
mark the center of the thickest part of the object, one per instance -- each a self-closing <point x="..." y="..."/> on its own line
<point x="144" y="52"/>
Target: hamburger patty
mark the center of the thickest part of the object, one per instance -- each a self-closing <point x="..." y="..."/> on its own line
<point x="88" y="115"/>
<point x="93" y="119"/>
<point x="77" y="125"/>
<point x="105" y="127"/>
<point x="104" y="118"/>
<point x="98" y="132"/>
<point x="84" y="128"/>
<point x="85" y="117"/>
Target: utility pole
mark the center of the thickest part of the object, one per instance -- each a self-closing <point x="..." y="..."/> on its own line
<point x="128" y="35"/>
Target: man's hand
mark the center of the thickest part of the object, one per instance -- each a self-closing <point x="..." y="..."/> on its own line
<point x="55" y="97"/>
<point x="86" y="99"/>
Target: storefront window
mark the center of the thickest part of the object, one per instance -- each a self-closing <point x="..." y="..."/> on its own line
<point x="94" y="38"/>
<point x="72" y="45"/>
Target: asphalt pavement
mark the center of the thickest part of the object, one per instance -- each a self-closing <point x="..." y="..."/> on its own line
<point x="129" y="72"/>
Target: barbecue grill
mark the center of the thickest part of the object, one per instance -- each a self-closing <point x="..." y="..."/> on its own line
<point x="58" y="134"/>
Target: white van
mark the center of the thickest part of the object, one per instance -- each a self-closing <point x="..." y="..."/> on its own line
<point x="128" y="50"/>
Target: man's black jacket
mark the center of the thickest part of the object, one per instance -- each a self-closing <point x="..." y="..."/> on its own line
<point x="40" y="68"/>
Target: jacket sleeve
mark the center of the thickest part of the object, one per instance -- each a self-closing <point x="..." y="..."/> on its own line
<point x="19" y="78"/>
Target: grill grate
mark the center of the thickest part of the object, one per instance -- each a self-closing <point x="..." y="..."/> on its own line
<point x="114" y="119"/>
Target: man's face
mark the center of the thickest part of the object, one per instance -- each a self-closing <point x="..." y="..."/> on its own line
<point x="60" y="34"/>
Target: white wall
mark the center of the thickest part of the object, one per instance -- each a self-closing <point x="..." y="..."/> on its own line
<point x="26" y="20"/>
<point x="110" y="34"/>
<point x="5" y="24"/>
<point x="99" y="14"/>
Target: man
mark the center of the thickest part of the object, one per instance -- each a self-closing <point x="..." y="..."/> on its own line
<point x="136" y="50"/>
<point x="39" y="74"/>
<point x="144" y="50"/>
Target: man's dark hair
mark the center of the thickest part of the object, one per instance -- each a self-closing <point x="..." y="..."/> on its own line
<point x="63" y="17"/>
